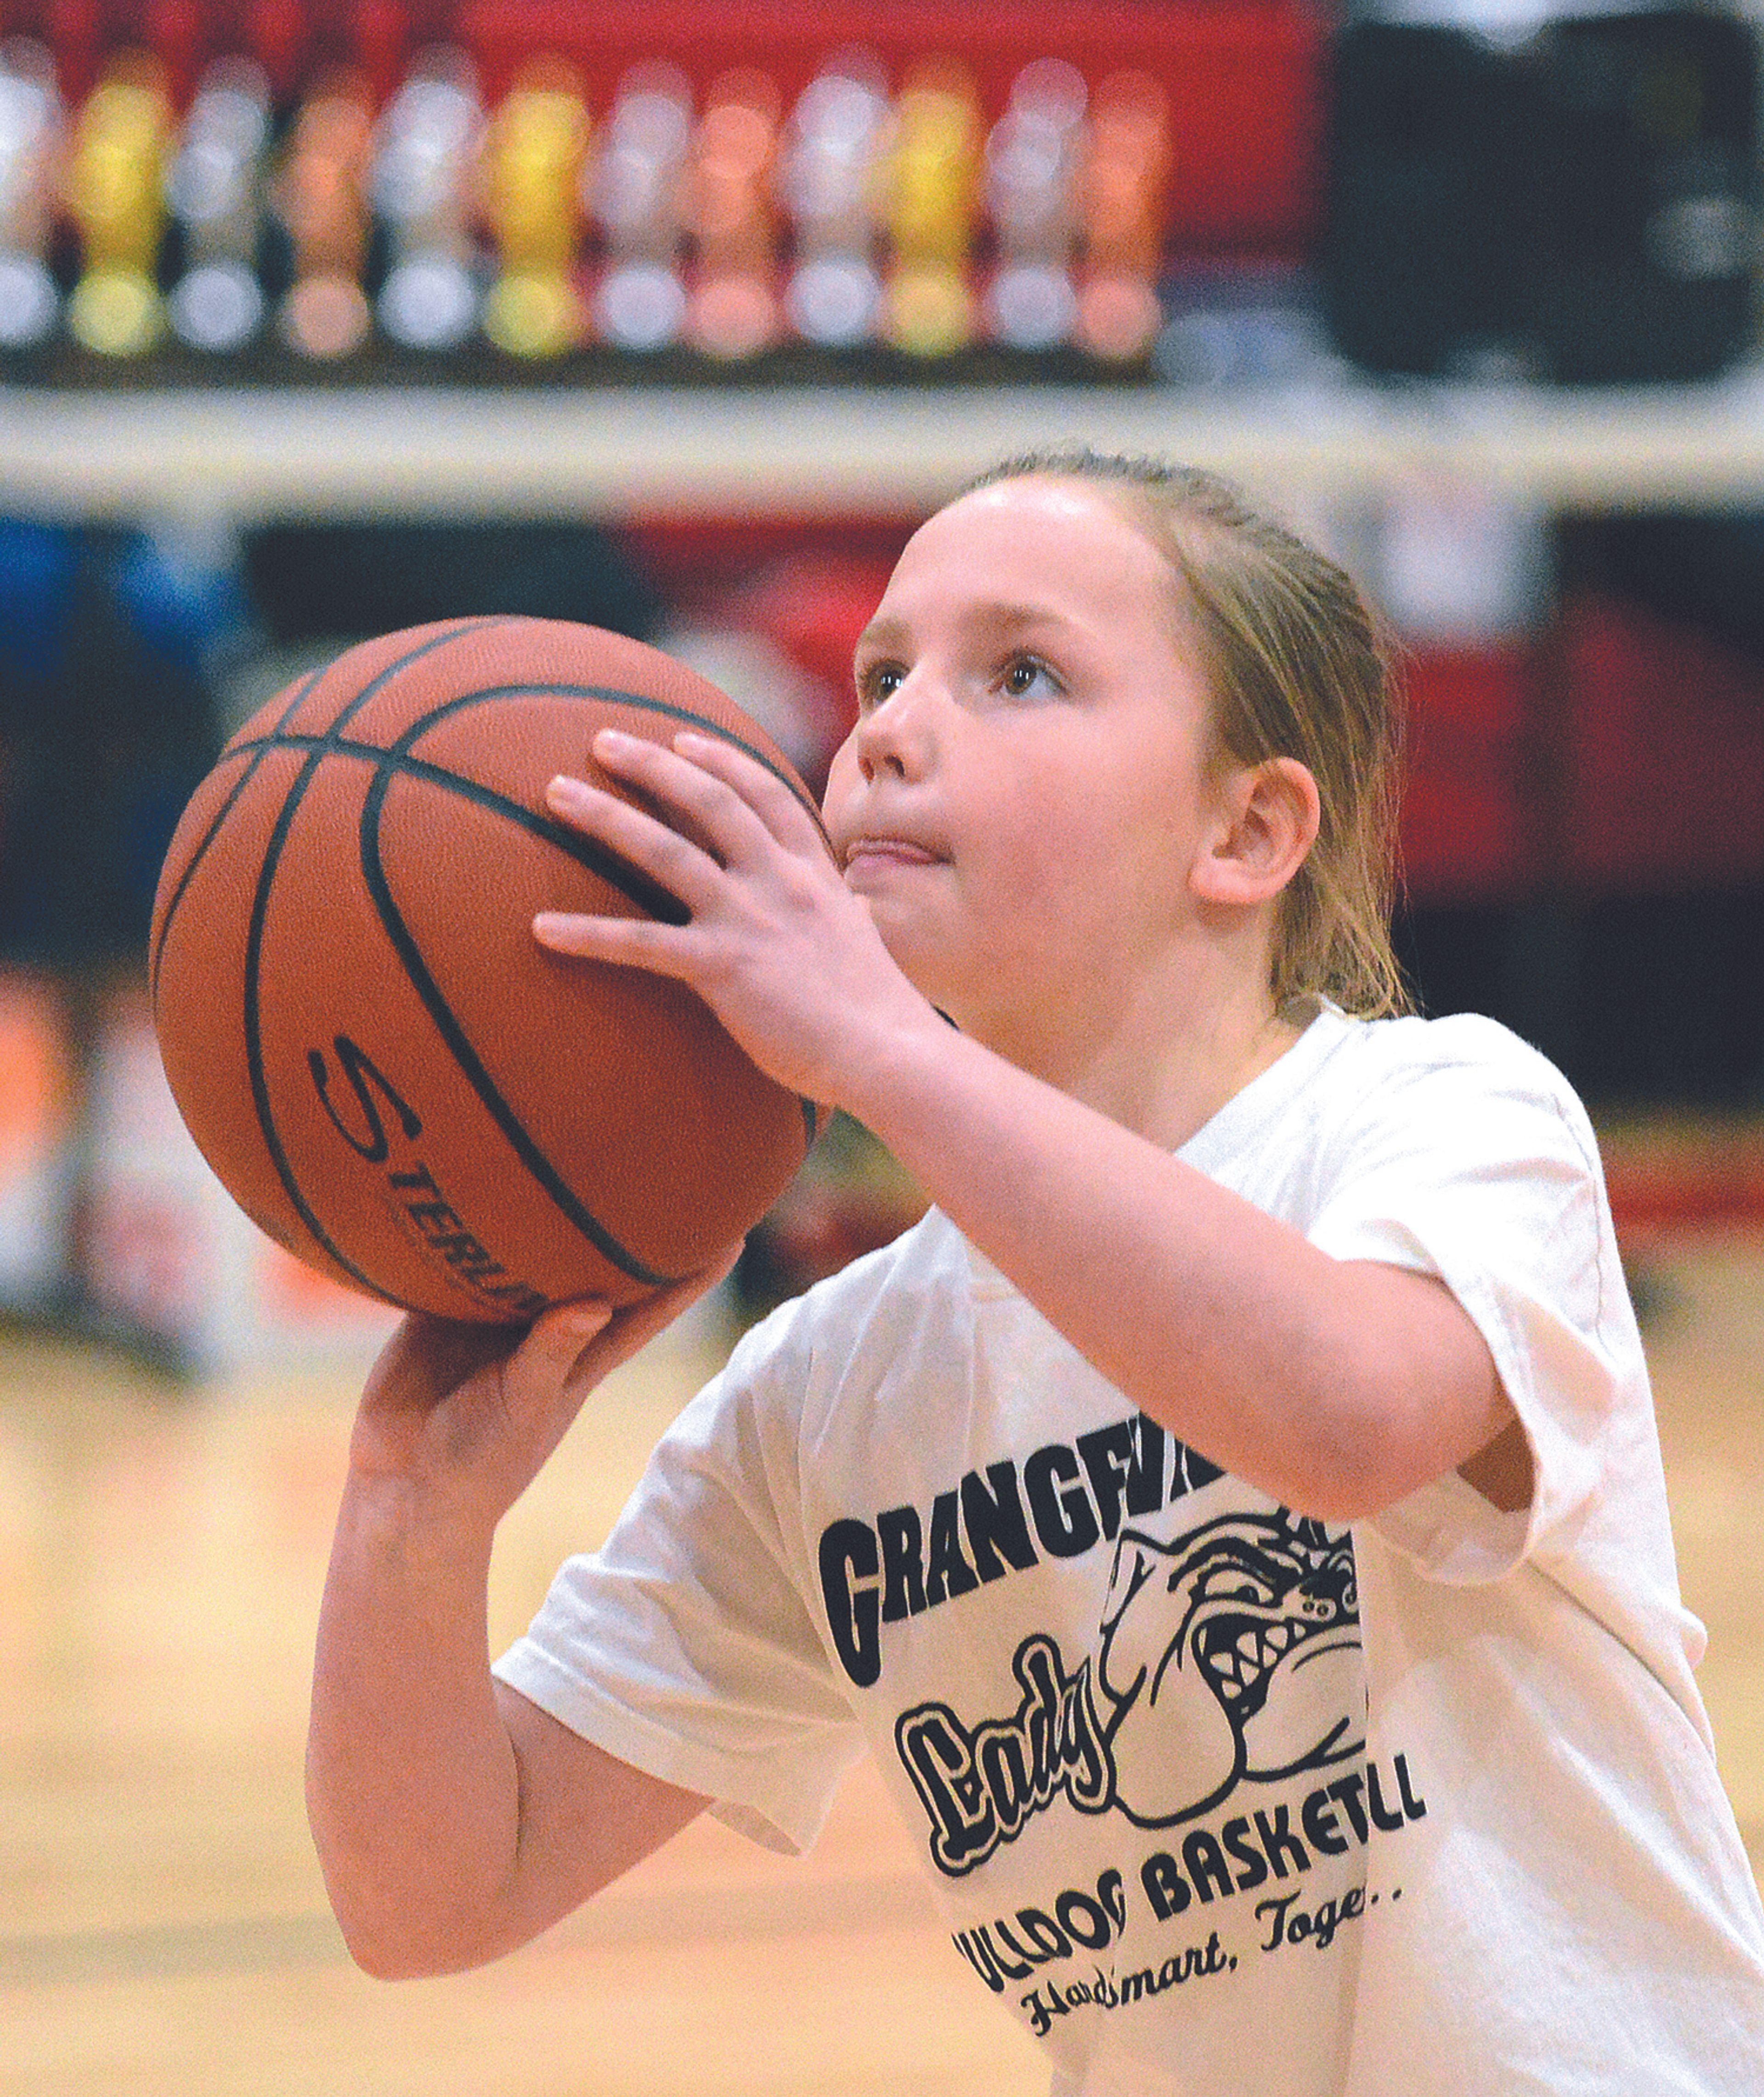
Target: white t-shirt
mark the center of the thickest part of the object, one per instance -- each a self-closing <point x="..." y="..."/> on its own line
<point x="1215" y="1797"/>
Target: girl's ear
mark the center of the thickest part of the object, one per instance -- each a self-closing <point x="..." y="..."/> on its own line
<point x="1266" y="825"/>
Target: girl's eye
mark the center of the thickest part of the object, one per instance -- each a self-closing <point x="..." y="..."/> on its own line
<point x="1026" y="677"/>
<point x="878" y="681"/>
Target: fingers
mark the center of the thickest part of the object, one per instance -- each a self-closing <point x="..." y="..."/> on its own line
<point x="727" y="795"/>
<point x="563" y="1332"/>
<point x="613" y="1337"/>
<point x="784" y="816"/>
<point x="554" y="1354"/>
<point x="628" y="1330"/>
<point x="427" y="1357"/>
<point x="666" y="1305"/>
<point x="672" y="860"/>
<point x="721" y="795"/>
<point x="628" y="942"/>
<point x="706" y="804"/>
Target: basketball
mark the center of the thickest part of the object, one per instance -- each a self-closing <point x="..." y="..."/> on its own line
<point x="387" y="1073"/>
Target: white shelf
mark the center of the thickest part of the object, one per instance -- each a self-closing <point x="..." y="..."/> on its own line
<point x="609" y="452"/>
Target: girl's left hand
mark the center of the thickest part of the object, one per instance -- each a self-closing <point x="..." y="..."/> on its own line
<point x="775" y="943"/>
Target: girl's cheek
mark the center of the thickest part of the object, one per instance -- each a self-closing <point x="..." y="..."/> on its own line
<point x="842" y="776"/>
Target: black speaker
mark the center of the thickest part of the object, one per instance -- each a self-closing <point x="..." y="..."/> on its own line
<point x="1580" y="205"/>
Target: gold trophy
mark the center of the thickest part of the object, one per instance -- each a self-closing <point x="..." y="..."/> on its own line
<point x="931" y="192"/>
<point x="530" y="175"/>
<point x="115" y="176"/>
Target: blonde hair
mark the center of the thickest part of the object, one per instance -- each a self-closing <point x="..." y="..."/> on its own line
<point x="1300" y="666"/>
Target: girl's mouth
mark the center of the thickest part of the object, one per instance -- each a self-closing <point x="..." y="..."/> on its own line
<point x="886" y="851"/>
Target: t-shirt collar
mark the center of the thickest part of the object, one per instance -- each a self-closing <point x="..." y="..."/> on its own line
<point x="1250" y="1110"/>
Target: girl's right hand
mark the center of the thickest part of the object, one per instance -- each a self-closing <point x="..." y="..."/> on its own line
<point x="462" y="1416"/>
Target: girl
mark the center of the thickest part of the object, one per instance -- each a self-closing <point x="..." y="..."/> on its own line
<point x="1233" y="1517"/>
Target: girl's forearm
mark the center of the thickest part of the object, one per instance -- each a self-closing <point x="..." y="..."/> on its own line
<point x="1335" y="1387"/>
<point x="412" y="1785"/>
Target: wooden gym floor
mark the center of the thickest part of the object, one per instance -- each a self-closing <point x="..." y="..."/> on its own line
<point x="162" y="1932"/>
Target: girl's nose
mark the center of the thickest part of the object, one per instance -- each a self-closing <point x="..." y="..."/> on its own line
<point x="896" y="740"/>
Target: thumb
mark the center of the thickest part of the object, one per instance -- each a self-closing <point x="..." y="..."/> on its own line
<point x="558" y="1338"/>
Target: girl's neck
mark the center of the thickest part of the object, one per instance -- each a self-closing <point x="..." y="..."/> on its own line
<point x="1168" y="1095"/>
<point x="1166" y="1060"/>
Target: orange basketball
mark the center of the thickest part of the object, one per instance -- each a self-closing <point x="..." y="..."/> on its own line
<point x="387" y="1073"/>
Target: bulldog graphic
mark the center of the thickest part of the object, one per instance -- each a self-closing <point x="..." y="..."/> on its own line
<point x="1232" y="1652"/>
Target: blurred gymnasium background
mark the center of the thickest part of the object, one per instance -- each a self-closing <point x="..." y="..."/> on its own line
<point x="318" y="319"/>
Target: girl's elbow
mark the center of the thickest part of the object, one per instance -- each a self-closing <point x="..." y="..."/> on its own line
<point x="1356" y="1459"/>
<point x="1378" y="1438"/>
<point x="1337" y="1489"/>
<point x="383" y="1960"/>
<point x="392" y="1948"/>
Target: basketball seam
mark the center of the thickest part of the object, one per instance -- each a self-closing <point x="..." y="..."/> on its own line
<point x="615" y="872"/>
<point x="641" y="703"/>
<point x="569" y="841"/>
<point x="597" y="858"/>
<point x="253" y="949"/>
<point x="587" y="852"/>
<point x="213" y="829"/>
<point x="447" y="1024"/>
<point x="637" y="701"/>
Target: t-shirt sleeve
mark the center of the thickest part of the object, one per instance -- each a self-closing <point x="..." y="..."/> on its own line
<point x="1481" y="1168"/>
<point x="683" y="1646"/>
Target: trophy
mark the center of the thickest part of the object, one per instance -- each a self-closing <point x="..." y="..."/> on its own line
<point x="424" y="160"/>
<point x="31" y="141"/>
<point x="530" y="179"/>
<point x="319" y="194"/>
<point x="931" y="202"/>
<point x="1033" y="156"/>
<point x="733" y="311"/>
<point x="213" y="188"/>
<point x="635" y="190"/>
<point x="827" y="181"/>
<point x="1126" y="167"/>
<point x="115" y="179"/>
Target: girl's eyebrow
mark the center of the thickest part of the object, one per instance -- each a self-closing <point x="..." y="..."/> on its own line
<point x="1013" y="618"/>
<point x="883" y="633"/>
<point x="890" y="632"/>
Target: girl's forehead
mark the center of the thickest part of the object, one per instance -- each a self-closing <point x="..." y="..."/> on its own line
<point x="1063" y="533"/>
<point x="1060" y="500"/>
<point x="1046" y="501"/>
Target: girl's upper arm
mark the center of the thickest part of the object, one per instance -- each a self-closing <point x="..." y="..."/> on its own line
<point x="1476" y="1433"/>
<point x="586" y="1816"/>
<point x="1477" y="1173"/>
